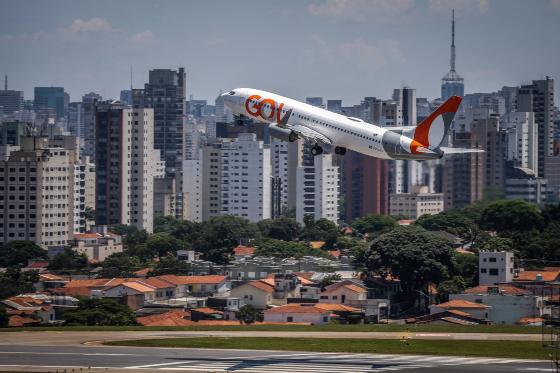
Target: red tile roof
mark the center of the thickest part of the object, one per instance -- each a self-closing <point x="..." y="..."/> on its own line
<point x="142" y="272"/>
<point x="156" y="282"/>
<point x="529" y="320"/>
<point x="38" y="265"/>
<point x="333" y="307"/>
<point x="334" y="253"/>
<point x="169" y="318"/>
<point x="50" y="277"/>
<point x="350" y="286"/>
<point x="19" y="321"/>
<point x="208" y="311"/>
<point x="261" y="285"/>
<point x="83" y="236"/>
<point x="504" y="289"/>
<point x="532" y="275"/>
<point x="137" y="286"/>
<point x="243" y="250"/>
<point x="458" y="303"/>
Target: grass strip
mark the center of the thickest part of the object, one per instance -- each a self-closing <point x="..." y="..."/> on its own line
<point x="519" y="350"/>
<point x="513" y="329"/>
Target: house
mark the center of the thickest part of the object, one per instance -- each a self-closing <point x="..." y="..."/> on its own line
<point x="197" y="286"/>
<point x="342" y="313"/>
<point x="343" y="292"/>
<point x="206" y="313"/>
<point x="477" y="310"/>
<point x="508" y="304"/>
<point x="537" y="281"/>
<point x="447" y="317"/>
<point x="25" y="308"/>
<point x="241" y="252"/>
<point x="164" y="290"/>
<point x="96" y="246"/>
<point x="255" y="293"/>
<point x="49" y="281"/>
<point x="298" y="313"/>
<point x="137" y="294"/>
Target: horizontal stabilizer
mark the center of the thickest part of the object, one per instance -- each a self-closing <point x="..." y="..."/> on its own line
<point x="460" y="150"/>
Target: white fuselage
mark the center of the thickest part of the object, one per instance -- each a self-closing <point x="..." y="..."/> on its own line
<point x="350" y="133"/>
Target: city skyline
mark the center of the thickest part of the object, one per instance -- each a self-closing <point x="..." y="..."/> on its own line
<point x="386" y="44"/>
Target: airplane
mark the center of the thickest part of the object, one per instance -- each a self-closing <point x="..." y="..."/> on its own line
<point x="290" y="120"/>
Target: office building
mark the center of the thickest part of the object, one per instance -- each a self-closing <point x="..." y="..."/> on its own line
<point x="11" y="132"/>
<point x="417" y="203"/>
<point x="364" y="185"/>
<point x="523" y="184"/>
<point x="406" y="98"/>
<point x="452" y="83"/>
<point x="316" y="185"/>
<point x="36" y="194"/>
<point x="125" y="166"/>
<point x="87" y="133"/>
<point x="315" y="101"/>
<point x="10" y="101"/>
<point x="538" y="97"/>
<point x="53" y="98"/>
<point x="125" y="97"/>
<point x="75" y="121"/>
<point x="335" y="106"/>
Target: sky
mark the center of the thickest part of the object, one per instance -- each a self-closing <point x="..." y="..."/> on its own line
<point x="338" y="49"/>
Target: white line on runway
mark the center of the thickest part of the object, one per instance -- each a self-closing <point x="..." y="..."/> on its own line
<point x="537" y="369"/>
<point x="155" y="365"/>
<point x="65" y="353"/>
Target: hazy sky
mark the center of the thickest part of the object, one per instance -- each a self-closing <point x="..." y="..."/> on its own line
<point x="343" y="49"/>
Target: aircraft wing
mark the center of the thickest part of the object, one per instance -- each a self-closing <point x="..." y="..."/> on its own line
<point x="460" y="150"/>
<point x="310" y="134"/>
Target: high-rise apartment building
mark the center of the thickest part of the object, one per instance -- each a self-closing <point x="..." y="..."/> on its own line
<point x="165" y="92"/>
<point x="521" y="139"/>
<point x="316" y="185"/>
<point x="406" y="98"/>
<point x="75" y="120"/>
<point x="37" y="194"/>
<point x="364" y="185"/>
<point x="539" y="98"/>
<point x="125" y="166"/>
<point x="53" y="98"/>
<point x="87" y="132"/>
<point x="10" y="101"/>
<point x="452" y="83"/>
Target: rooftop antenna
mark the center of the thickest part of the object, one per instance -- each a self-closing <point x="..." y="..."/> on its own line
<point x="453" y="40"/>
<point x="5" y="82"/>
<point x="131" y="79"/>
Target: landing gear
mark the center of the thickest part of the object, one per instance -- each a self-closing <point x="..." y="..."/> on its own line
<point x="292" y="136"/>
<point x="316" y="150"/>
<point x="339" y="150"/>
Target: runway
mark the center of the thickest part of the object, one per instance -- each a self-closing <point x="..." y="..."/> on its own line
<point x="142" y="359"/>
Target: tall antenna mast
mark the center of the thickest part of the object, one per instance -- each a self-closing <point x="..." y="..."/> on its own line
<point x="453" y="40"/>
<point x="5" y="82"/>
<point x="131" y="80"/>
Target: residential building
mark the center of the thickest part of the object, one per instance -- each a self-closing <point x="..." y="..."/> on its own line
<point x="87" y="133"/>
<point x="415" y="204"/>
<point x="521" y="183"/>
<point x="37" y="194"/>
<point x="364" y="185"/>
<point x="495" y="267"/>
<point x="254" y="293"/>
<point x="521" y="139"/>
<point x="538" y="98"/>
<point x="11" y="132"/>
<point x="315" y="101"/>
<point x="75" y="120"/>
<point x="96" y="246"/>
<point x="343" y="292"/>
<point x="465" y="308"/>
<point x="165" y="93"/>
<point x="125" y="166"/>
<point x="335" y="106"/>
<point x="298" y="313"/>
<point x="316" y="185"/>
<point x="51" y="98"/>
<point x="10" y="101"/>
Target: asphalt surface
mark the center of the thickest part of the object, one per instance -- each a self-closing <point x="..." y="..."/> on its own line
<point x="81" y="351"/>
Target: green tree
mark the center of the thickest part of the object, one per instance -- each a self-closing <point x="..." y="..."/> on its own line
<point x="457" y="222"/>
<point x="497" y="244"/>
<point x="320" y="230"/>
<point x="170" y="265"/>
<point x="68" y="260"/>
<point x="13" y="282"/>
<point x="119" y="265"/>
<point x="329" y="280"/>
<point x="374" y="224"/>
<point x="221" y="234"/>
<point x="100" y="311"/>
<point x="19" y="252"/>
<point x="163" y="243"/>
<point x="123" y="230"/>
<point x="412" y="254"/>
<point x="247" y="314"/>
<point x="511" y="215"/>
<point x="455" y="285"/>
<point x="4" y="317"/>
<point x="282" y="228"/>
<point x="466" y="266"/>
<point x="285" y="249"/>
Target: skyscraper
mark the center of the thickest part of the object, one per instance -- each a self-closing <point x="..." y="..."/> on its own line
<point x="10" y="101"/>
<point x="539" y="98"/>
<point x="165" y="93"/>
<point x="452" y="83"/>
<point x="125" y="164"/>
<point x="51" y="98"/>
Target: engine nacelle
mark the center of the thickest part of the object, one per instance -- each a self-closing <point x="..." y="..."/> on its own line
<point x="279" y="133"/>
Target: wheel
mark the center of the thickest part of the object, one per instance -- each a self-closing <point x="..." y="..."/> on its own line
<point x="340" y="150"/>
<point x="292" y="136"/>
<point x="316" y="150"/>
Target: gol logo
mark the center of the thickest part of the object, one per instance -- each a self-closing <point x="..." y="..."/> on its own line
<point x="256" y="109"/>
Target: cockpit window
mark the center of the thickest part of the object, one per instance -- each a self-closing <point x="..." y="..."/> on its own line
<point x="232" y="93"/>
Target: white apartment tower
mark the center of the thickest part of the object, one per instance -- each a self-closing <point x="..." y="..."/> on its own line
<point x="246" y="178"/>
<point x="522" y="139"/>
<point x="316" y="185"/>
<point x="37" y="194"/>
